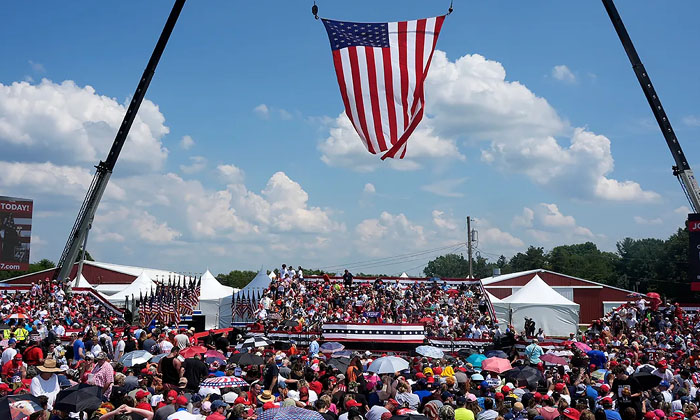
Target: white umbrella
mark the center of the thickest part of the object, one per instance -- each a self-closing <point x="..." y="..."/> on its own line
<point x="430" y="351"/>
<point x="136" y="357"/>
<point x="388" y="364"/>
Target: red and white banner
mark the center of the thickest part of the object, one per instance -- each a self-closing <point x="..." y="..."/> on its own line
<point x="380" y="333"/>
<point x="15" y="233"/>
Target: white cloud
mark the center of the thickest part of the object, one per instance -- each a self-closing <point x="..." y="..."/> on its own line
<point x="496" y="238"/>
<point x="231" y="174"/>
<point x="75" y="125"/>
<point x="644" y="221"/>
<point x="187" y="142"/>
<point x="525" y="219"/>
<point x="369" y="188"/>
<point x="37" y="67"/>
<point x="443" y="221"/>
<point x="563" y="74"/>
<point x="691" y="120"/>
<point x="197" y="164"/>
<point x="35" y="179"/>
<point x="284" y="114"/>
<point x="343" y="148"/>
<point x="550" y="216"/>
<point x="262" y="111"/>
<point x="445" y="187"/>
<point x="375" y="236"/>
<point x="470" y="99"/>
<point x="547" y="224"/>
<point x="684" y="210"/>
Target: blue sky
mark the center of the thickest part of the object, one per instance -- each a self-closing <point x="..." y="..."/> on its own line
<point x="240" y="158"/>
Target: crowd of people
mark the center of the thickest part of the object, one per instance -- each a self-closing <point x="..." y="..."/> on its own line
<point x="297" y="304"/>
<point x="641" y="361"/>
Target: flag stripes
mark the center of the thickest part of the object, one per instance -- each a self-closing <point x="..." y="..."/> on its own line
<point x="381" y="69"/>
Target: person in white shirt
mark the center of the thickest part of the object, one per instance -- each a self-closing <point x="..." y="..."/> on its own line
<point x="58" y="329"/>
<point x="46" y="382"/>
<point x="9" y="352"/>
<point x="119" y="348"/>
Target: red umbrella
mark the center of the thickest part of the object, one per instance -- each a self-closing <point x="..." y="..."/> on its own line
<point x="653" y="295"/>
<point x="191" y="351"/>
<point x="554" y="359"/>
<point x="583" y="346"/>
<point x="426" y="320"/>
<point x="453" y="291"/>
<point x="496" y="364"/>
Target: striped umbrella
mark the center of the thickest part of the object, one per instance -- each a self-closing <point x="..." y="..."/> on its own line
<point x="255" y="342"/>
<point x="290" y="413"/>
<point x="223" y="382"/>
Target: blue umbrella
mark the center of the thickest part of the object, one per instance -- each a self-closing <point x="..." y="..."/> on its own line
<point x="496" y="353"/>
<point x="430" y="351"/>
<point x="290" y="413"/>
<point x="476" y="359"/>
<point x="331" y="347"/>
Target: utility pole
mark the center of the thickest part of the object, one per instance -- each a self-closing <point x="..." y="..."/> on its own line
<point x="469" y="245"/>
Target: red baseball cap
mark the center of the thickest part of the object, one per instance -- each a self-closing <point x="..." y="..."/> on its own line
<point x="606" y="400"/>
<point x="505" y="389"/>
<point x="605" y="388"/>
<point x="172" y="394"/>
<point x="499" y="396"/>
<point x="352" y="403"/>
<point x="559" y="386"/>
<point x="650" y="415"/>
<point x="572" y="413"/>
<point x="181" y="400"/>
<point x="141" y="394"/>
<point x="268" y="405"/>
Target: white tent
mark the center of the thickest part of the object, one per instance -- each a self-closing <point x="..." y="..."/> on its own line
<point x="215" y="302"/>
<point x="555" y="314"/>
<point x="83" y="282"/>
<point x="500" y="309"/>
<point x="140" y="286"/>
<point x="246" y="298"/>
<point x="404" y="275"/>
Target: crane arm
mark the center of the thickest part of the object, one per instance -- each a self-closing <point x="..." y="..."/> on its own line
<point x="681" y="169"/>
<point x="105" y="168"/>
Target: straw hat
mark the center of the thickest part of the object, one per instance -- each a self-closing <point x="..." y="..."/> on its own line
<point x="266" y="396"/>
<point x="49" y="367"/>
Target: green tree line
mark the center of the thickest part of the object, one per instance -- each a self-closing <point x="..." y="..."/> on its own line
<point x="637" y="264"/>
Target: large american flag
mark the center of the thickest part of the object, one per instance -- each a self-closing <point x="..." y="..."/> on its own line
<point x="381" y="69"/>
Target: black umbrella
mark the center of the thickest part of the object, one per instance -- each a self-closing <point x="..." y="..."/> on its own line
<point x="466" y="352"/>
<point x="6" y="401"/>
<point x="340" y="363"/>
<point x="646" y="368"/>
<point x="245" y="359"/>
<point x="524" y="374"/>
<point x="80" y="397"/>
<point x="646" y="380"/>
<point x="290" y="323"/>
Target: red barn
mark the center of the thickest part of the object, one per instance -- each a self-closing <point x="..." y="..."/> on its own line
<point x="595" y="299"/>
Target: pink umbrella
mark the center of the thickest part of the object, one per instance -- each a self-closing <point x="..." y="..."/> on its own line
<point x="553" y="359"/>
<point x="583" y="346"/>
<point x="215" y="353"/>
<point x="496" y="364"/>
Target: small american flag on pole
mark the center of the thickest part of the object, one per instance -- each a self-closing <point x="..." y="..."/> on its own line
<point x="381" y="69"/>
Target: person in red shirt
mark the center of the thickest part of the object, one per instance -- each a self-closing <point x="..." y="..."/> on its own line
<point x="141" y="401"/>
<point x="33" y="355"/>
<point x="217" y="407"/>
<point x="15" y="370"/>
